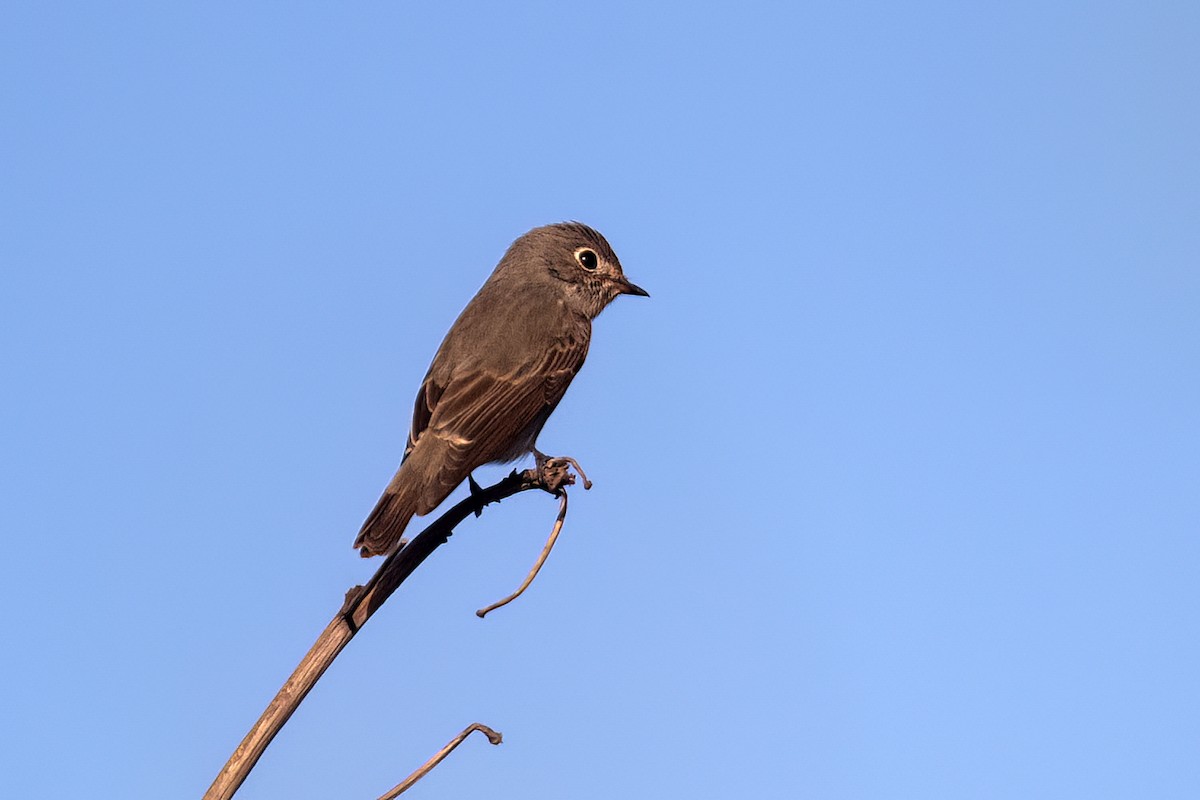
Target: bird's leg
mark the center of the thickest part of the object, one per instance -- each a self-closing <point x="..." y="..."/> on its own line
<point x="553" y="473"/>
<point x="475" y="490"/>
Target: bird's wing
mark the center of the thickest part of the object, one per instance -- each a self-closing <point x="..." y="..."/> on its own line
<point x="427" y="398"/>
<point x="479" y="415"/>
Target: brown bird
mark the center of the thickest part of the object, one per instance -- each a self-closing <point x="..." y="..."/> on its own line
<point x="501" y="370"/>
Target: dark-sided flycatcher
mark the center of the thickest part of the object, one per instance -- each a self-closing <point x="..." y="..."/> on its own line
<point x="501" y="370"/>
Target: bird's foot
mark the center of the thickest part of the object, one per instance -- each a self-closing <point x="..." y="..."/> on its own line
<point x="554" y="472"/>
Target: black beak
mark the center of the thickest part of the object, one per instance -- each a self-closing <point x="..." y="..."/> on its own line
<point x="632" y="288"/>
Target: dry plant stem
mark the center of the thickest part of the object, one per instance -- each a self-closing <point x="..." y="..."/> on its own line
<point x="537" y="565"/>
<point x="361" y="602"/>
<point x="582" y="475"/>
<point x="404" y="785"/>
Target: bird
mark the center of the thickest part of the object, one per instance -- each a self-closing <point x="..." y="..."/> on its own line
<point x="501" y="370"/>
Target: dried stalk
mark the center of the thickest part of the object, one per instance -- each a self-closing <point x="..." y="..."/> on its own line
<point x="404" y="785"/>
<point x="361" y="602"/>
<point x="537" y="565"/>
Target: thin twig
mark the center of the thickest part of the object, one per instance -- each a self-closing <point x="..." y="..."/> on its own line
<point x="403" y="786"/>
<point x="361" y="602"/>
<point x="558" y="523"/>
<point x="582" y="475"/>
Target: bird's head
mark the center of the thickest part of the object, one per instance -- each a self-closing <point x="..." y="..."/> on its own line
<point x="574" y="260"/>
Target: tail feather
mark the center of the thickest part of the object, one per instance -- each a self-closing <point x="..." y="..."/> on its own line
<point x="385" y="525"/>
<point x="423" y="481"/>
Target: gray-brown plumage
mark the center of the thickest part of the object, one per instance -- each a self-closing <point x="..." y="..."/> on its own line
<point x="501" y="370"/>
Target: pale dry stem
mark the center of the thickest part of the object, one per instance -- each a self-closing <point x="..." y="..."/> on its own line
<point x="404" y="785"/>
<point x="558" y="523"/>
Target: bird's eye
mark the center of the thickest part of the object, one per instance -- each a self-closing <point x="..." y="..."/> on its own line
<point x="587" y="259"/>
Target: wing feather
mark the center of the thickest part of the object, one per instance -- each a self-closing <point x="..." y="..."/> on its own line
<point x="478" y="417"/>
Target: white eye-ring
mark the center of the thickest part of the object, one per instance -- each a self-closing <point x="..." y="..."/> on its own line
<point x="587" y="258"/>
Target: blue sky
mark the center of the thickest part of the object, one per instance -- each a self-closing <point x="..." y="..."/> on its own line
<point x="896" y="472"/>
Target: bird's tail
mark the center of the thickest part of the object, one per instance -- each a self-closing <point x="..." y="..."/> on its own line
<point x="386" y="523"/>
